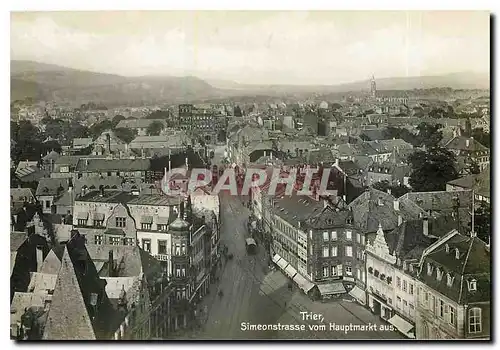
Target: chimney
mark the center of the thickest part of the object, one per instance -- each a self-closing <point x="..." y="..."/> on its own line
<point x="425" y="229"/>
<point x="108" y="139"/>
<point x="111" y="263"/>
<point x="400" y="220"/>
<point x="396" y="204"/>
<point x="389" y="191"/>
<point x="142" y="153"/>
<point x="467" y="143"/>
<point x="39" y="257"/>
<point x="344" y="197"/>
<point x="336" y="162"/>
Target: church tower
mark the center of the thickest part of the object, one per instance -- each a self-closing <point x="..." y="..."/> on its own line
<point x="373" y="88"/>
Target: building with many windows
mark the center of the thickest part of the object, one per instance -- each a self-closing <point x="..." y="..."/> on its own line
<point x="454" y="290"/>
<point x="207" y="123"/>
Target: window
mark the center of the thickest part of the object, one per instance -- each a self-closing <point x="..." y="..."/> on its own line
<point x="82" y="222"/>
<point x="449" y="280"/>
<point x="162" y="247"/>
<point x="177" y="270"/>
<point x="334" y="251"/>
<point x="398" y="282"/>
<point x="334" y="236"/>
<point x="405" y="287"/>
<point x="358" y="237"/>
<point x="348" y="250"/>
<point x="441" y="308"/>
<point x="162" y="227"/>
<point x="183" y="248"/>
<point x="339" y="269"/>
<point x="362" y="239"/>
<point x="348" y="271"/>
<point x="114" y="240"/>
<point x="325" y="271"/>
<point x="429" y="269"/>
<point x="47" y="204"/>
<point x="358" y="274"/>
<point x="472" y="285"/>
<point x="146" y="226"/>
<point x="98" y="223"/>
<point x="120" y="222"/>
<point x="452" y="316"/>
<point x="439" y="274"/>
<point x="98" y="239"/>
<point x="146" y="245"/>
<point x="129" y="241"/>
<point x="325" y="252"/>
<point x="348" y="235"/>
<point x="411" y="289"/>
<point x="334" y="270"/>
<point x="398" y="302"/>
<point x="177" y="249"/>
<point x="325" y="236"/>
<point x="475" y="320"/>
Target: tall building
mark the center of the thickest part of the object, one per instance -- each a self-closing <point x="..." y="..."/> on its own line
<point x="206" y="123"/>
<point x="373" y="87"/>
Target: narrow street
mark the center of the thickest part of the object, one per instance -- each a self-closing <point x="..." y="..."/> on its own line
<point x="253" y="294"/>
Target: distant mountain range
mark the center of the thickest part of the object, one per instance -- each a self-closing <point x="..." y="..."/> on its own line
<point x="51" y="82"/>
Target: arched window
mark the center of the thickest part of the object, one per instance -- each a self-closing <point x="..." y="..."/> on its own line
<point x="475" y="324"/>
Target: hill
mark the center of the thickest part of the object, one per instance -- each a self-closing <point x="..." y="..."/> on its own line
<point x="46" y="81"/>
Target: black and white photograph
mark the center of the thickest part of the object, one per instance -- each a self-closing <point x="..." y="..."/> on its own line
<point x="250" y="175"/>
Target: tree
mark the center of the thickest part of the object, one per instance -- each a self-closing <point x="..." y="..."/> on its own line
<point x="117" y="119"/>
<point x="429" y="135"/>
<point x="155" y="128"/>
<point x="482" y="222"/>
<point x="125" y="134"/>
<point x="159" y="114"/>
<point x="484" y="138"/>
<point x="432" y="169"/>
<point x="98" y="128"/>
<point x="396" y="190"/>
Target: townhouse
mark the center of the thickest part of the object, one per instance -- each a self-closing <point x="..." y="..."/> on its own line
<point x="454" y="291"/>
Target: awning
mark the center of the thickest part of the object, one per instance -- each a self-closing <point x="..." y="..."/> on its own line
<point x="146" y="219"/>
<point x="331" y="288"/>
<point x="82" y="216"/>
<point x="282" y="263"/>
<point x="290" y="271"/>
<point x="276" y="258"/>
<point x="99" y="216"/>
<point x="303" y="284"/>
<point x="359" y="294"/>
<point x="402" y="325"/>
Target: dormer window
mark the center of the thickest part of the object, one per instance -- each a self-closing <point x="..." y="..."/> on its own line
<point x="457" y="253"/>
<point x="447" y="248"/>
<point x="429" y="269"/>
<point x="472" y="285"/>
<point x="439" y="274"/>
<point x="449" y="280"/>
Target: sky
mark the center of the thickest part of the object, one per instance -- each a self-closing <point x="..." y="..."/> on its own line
<point x="257" y="47"/>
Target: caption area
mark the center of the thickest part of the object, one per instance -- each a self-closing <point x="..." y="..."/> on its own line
<point x="328" y="327"/>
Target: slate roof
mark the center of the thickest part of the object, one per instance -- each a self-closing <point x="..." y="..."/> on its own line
<point x="328" y="217"/>
<point x="139" y="123"/>
<point x="51" y="264"/>
<point x="374" y="134"/>
<point x="25" y="168"/>
<point x="16" y="240"/>
<point x="82" y="142"/>
<point x="385" y="146"/>
<point x="294" y="209"/>
<point x="103" y="165"/>
<point x="474" y="263"/>
<point x="71" y="315"/>
<point x="460" y="143"/>
<point x="41" y="282"/>
<point x="108" y="182"/>
<point x="375" y="207"/>
<point x="53" y="155"/>
<point x="18" y="193"/>
<point x="52" y="186"/>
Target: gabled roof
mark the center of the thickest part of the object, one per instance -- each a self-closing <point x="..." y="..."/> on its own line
<point x="19" y="193"/>
<point x="460" y="143"/>
<point x="53" y="155"/>
<point x="68" y="318"/>
<point x="51" y="264"/>
<point x="52" y="186"/>
<point x="375" y="207"/>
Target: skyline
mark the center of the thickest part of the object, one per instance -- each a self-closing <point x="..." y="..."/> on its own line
<point x="324" y="48"/>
